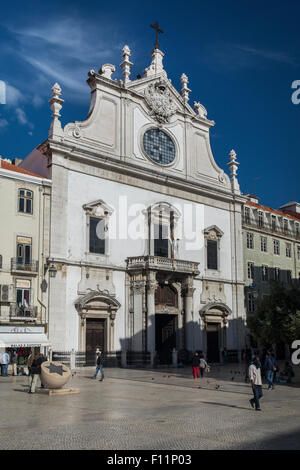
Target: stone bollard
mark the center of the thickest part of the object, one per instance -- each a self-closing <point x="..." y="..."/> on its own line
<point x="174" y="358"/>
<point x="124" y="358"/>
<point x="72" y="360"/>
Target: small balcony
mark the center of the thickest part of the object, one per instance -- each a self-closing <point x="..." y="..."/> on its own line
<point x="23" y="313"/>
<point x="159" y="263"/>
<point x="30" y="267"/>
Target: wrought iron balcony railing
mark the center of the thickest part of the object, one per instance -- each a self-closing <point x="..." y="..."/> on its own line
<point x="31" y="266"/>
<point x="17" y="312"/>
<point x="163" y="264"/>
<point x="270" y="228"/>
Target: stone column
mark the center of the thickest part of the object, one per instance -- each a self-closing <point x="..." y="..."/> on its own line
<point x="188" y="292"/>
<point x="138" y="292"/>
<point x="151" y="287"/>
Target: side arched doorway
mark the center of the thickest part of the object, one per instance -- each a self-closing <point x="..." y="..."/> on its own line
<point x="214" y="317"/>
<point x="97" y="312"/>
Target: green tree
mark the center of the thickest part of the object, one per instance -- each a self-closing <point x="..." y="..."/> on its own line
<point x="277" y="316"/>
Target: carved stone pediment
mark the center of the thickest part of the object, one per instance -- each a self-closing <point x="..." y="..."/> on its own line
<point x="158" y="97"/>
<point x="213" y="233"/>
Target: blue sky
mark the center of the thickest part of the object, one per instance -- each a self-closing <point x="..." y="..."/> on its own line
<point x="241" y="59"/>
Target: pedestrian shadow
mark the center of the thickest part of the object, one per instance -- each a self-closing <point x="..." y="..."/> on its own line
<point x="226" y="405"/>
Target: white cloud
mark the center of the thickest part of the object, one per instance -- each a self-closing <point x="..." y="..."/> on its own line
<point x="269" y="55"/>
<point x="21" y="116"/>
<point x="13" y="96"/>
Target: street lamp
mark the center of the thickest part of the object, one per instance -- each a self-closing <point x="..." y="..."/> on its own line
<point x="52" y="271"/>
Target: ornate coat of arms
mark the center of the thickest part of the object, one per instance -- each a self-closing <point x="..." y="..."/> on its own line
<point x="159" y="100"/>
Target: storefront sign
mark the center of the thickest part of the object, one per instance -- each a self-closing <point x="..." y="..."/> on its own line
<point x="22" y="329"/>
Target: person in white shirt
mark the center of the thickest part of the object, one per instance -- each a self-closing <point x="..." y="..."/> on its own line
<point x="5" y="360"/>
<point x="256" y="383"/>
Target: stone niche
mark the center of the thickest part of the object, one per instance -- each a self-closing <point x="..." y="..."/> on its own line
<point x="213" y="292"/>
<point x="96" y="279"/>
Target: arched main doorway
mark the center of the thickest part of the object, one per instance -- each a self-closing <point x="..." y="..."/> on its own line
<point x="214" y="316"/>
<point x="97" y="313"/>
<point x="166" y="322"/>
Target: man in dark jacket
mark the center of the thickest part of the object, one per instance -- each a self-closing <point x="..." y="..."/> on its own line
<point x="270" y="367"/>
<point x="35" y="370"/>
<point x="99" y="366"/>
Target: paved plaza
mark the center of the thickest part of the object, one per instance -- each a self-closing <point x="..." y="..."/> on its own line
<point x="144" y="409"/>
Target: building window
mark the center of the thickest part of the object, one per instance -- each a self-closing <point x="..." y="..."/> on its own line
<point x="213" y="237"/>
<point x="276" y="245"/>
<point x="273" y="222"/>
<point x="289" y="277"/>
<point x="25" y="203"/>
<point x="212" y="254"/>
<point x="250" y="270"/>
<point x="297" y="229"/>
<point x="23" y="251"/>
<point x="23" y="293"/>
<point x="288" y="250"/>
<point x="97" y="236"/>
<point x="285" y="225"/>
<point x="265" y="273"/>
<point x="260" y="219"/>
<point x="0" y="261"/>
<point x="277" y="274"/>
<point x="251" y="303"/>
<point x="263" y="244"/>
<point x="250" y="241"/>
<point x="247" y="214"/>
<point x="161" y="239"/>
<point x="298" y="253"/>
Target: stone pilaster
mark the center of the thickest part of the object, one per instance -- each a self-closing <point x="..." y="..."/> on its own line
<point x="188" y="293"/>
<point x="151" y="287"/>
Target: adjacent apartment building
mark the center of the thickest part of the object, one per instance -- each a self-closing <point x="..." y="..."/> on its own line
<point x="24" y="250"/>
<point x="271" y="247"/>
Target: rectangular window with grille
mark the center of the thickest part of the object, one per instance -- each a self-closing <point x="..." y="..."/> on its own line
<point x="265" y="273"/>
<point x="263" y="244"/>
<point x="250" y="270"/>
<point x="250" y="241"/>
<point x="276" y="245"/>
<point x="251" y="303"/>
<point x="212" y="254"/>
<point x="97" y="236"/>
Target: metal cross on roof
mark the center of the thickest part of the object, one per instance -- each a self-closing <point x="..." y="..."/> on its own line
<point x="158" y="31"/>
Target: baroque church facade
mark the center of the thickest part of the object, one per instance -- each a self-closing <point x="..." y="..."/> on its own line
<point x="146" y="233"/>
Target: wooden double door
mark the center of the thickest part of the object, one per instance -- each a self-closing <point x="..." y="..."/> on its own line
<point x="95" y="338"/>
<point x="165" y="336"/>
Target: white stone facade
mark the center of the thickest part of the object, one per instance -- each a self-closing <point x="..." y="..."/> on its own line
<point x="100" y="168"/>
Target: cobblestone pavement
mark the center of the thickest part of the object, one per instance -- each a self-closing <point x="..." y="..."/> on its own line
<point x="143" y="409"/>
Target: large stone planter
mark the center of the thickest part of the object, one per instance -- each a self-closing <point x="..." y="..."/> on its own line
<point x="54" y="374"/>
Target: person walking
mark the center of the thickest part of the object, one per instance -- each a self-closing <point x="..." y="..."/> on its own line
<point x="35" y="371"/>
<point x="195" y="366"/>
<point x="203" y="365"/>
<point x="99" y="366"/>
<point x="256" y="383"/>
<point x="5" y="360"/>
<point x="270" y="367"/>
<point x="15" y="362"/>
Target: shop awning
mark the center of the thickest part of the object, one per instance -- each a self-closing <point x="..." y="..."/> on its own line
<point x="12" y="340"/>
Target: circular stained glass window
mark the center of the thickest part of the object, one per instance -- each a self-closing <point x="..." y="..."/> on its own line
<point x="159" y="146"/>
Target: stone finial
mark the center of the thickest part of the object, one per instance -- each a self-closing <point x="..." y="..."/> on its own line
<point x="233" y="167"/>
<point x="156" y="67"/>
<point x="126" y="64"/>
<point x="200" y="110"/>
<point x="185" y="90"/>
<point x="107" y="70"/>
<point x="56" y="105"/>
